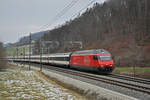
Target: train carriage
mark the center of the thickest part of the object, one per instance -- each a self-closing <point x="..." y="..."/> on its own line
<point x="60" y="59"/>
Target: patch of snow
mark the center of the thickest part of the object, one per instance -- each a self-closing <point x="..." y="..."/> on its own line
<point x="27" y="96"/>
<point x="3" y="92"/>
<point x="29" y="84"/>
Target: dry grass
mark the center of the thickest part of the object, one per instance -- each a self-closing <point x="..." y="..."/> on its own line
<point x="142" y="72"/>
<point x="19" y="83"/>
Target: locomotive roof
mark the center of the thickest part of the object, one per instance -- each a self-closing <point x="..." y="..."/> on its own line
<point x="97" y="51"/>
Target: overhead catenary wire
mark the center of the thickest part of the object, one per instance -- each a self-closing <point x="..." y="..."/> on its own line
<point x="68" y="7"/>
<point x="91" y="2"/>
<point x="61" y="13"/>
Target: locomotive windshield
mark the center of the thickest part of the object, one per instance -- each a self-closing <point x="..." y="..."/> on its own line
<point x="105" y="57"/>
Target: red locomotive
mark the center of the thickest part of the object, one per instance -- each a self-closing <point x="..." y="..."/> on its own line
<point x="100" y="60"/>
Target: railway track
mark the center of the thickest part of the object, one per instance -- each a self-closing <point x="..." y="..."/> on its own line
<point x="107" y="79"/>
<point x="129" y="78"/>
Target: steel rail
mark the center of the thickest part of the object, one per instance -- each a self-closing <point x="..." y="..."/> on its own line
<point x="105" y="80"/>
<point x="129" y="78"/>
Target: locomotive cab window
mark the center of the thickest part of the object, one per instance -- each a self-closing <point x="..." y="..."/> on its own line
<point x="105" y="57"/>
<point x="95" y="57"/>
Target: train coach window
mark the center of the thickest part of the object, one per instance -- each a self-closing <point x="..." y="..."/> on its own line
<point x="60" y="58"/>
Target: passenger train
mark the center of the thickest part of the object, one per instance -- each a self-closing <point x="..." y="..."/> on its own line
<point x="94" y="60"/>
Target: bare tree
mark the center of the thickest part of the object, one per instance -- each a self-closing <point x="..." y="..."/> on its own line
<point x="3" y="61"/>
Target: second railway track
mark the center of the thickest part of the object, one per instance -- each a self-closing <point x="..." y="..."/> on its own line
<point x="129" y="78"/>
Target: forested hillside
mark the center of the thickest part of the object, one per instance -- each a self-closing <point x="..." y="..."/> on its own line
<point x="34" y="36"/>
<point x="119" y="26"/>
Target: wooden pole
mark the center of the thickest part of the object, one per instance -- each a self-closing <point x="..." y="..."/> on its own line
<point x="41" y="51"/>
<point x="30" y="52"/>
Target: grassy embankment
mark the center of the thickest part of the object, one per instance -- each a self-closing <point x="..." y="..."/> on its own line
<point x="20" y="83"/>
<point x="143" y="72"/>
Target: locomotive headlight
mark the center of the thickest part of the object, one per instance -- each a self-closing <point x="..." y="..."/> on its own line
<point x="111" y="65"/>
<point x="102" y="66"/>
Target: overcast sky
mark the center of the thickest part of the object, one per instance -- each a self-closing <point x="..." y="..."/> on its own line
<point x="20" y="17"/>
